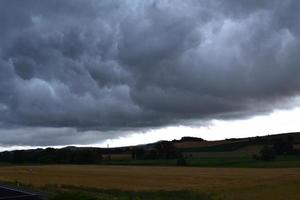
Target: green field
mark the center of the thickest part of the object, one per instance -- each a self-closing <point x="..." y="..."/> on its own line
<point x="245" y="162"/>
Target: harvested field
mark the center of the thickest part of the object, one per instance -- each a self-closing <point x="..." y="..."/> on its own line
<point x="242" y="152"/>
<point x="198" y="144"/>
<point x="232" y="183"/>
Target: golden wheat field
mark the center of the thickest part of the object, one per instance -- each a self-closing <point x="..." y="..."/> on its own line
<point x="231" y="183"/>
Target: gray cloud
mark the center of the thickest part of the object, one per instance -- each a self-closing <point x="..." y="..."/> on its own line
<point x="114" y="65"/>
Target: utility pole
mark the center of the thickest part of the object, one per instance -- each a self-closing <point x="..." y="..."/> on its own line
<point x="108" y="157"/>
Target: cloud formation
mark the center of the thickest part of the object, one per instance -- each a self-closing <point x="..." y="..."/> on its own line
<point x="118" y="65"/>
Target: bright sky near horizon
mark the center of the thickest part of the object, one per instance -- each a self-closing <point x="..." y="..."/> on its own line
<point x="279" y="121"/>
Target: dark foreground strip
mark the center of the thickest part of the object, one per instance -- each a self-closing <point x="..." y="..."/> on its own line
<point x="13" y="194"/>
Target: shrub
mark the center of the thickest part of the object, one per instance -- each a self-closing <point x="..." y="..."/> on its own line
<point x="181" y="162"/>
<point x="283" y="146"/>
<point x="267" y="153"/>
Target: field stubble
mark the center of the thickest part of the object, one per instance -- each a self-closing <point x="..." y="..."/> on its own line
<point x="232" y="183"/>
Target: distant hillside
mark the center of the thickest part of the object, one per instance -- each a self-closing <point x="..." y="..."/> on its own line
<point x="233" y="143"/>
<point x="186" y="146"/>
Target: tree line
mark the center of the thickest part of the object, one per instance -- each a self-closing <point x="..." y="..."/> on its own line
<point x="53" y="156"/>
<point x="277" y="146"/>
<point x="77" y="155"/>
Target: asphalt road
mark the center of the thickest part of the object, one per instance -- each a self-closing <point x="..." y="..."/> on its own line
<point x="14" y="194"/>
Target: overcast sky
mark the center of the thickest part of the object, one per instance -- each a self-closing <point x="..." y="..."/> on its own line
<point x="88" y="71"/>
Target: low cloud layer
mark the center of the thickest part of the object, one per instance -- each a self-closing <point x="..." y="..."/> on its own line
<point x="99" y="68"/>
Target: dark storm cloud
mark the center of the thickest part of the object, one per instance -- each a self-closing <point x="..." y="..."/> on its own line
<point x="113" y="65"/>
